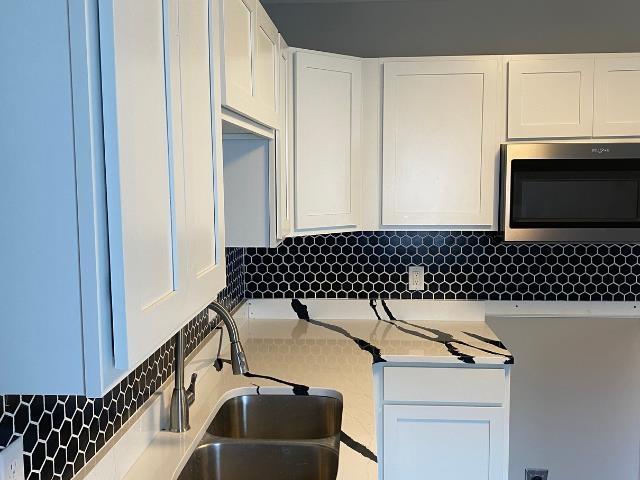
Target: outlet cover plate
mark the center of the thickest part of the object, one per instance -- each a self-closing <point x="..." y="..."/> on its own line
<point x="416" y="278"/>
<point x="536" y="474"/>
<point x="12" y="462"/>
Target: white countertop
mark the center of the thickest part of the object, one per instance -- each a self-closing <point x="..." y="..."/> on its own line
<point x="324" y="354"/>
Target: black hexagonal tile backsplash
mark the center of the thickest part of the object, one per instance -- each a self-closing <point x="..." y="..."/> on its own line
<point x="458" y="265"/>
<point x="62" y="433"/>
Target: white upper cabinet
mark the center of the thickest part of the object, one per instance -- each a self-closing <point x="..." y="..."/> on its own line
<point x="617" y="96"/>
<point x="250" y="61"/>
<point x="147" y="230"/>
<point x="328" y="110"/>
<point x="202" y="156"/>
<point x="266" y="68"/>
<point x="440" y="143"/>
<point x="162" y="159"/>
<point x="238" y="19"/>
<point x="284" y="167"/>
<point x="132" y="243"/>
<point x="550" y="97"/>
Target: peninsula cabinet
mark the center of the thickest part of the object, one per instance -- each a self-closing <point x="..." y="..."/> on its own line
<point x="328" y="112"/>
<point x="450" y="421"/>
<point x="249" y="45"/>
<point x="111" y="190"/>
<point x="440" y="144"/>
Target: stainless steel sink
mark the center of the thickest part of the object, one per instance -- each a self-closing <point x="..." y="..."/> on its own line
<point x="261" y="461"/>
<point x="278" y="417"/>
<point x="272" y="437"/>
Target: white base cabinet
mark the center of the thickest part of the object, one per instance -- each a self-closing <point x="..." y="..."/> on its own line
<point x="448" y="443"/>
<point x="445" y="422"/>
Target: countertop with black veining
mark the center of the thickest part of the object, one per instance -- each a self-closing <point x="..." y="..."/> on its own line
<point x="306" y="354"/>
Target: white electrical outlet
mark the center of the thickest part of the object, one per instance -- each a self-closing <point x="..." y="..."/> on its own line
<point x="416" y="278"/>
<point x="11" y="461"/>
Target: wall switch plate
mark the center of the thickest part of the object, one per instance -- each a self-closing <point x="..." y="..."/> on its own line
<point x="12" y="462"/>
<point x="416" y="278"/>
<point x="536" y="474"/>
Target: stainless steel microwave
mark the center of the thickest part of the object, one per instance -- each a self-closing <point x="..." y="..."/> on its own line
<point x="570" y="192"/>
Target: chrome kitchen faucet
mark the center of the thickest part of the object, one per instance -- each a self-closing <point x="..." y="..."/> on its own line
<point x="182" y="398"/>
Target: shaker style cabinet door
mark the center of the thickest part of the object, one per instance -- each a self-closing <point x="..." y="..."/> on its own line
<point x="550" y="98"/>
<point x="617" y="97"/>
<point x="147" y="235"/>
<point x="283" y="154"/>
<point x="328" y="110"/>
<point x="238" y="24"/>
<point x="202" y="155"/>
<point x="266" y="68"/>
<point x="249" y="42"/>
<point x="452" y="443"/>
<point x="440" y="143"/>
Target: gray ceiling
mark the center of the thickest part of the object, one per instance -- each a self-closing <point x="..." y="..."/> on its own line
<point x="374" y="28"/>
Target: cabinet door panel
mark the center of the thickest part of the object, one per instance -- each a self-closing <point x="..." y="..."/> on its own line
<point x="439" y="142"/>
<point x="550" y="98"/>
<point x="41" y="308"/>
<point x="239" y="21"/>
<point x="283" y="166"/>
<point x="201" y="139"/>
<point x="266" y="68"/>
<point x="328" y="113"/>
<point x="617" y="97"/>
<point x="453" y="443"/>
<point x="144" y="178"/>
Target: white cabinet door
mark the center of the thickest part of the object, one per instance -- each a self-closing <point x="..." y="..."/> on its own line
<point x="250" y="61"/>
<point x="617" y="97"/>
<point x="328" y="110"/>
<point x="202" y="156"/>
<point x="440" y="143"/>
<point x="266" y="68"/>
<point x="238" y="25"/>
<point x="283" y="157"/>
<point x="444" y="443"/>
<point x="550" y="98"/>
<point x="145" y="192"/>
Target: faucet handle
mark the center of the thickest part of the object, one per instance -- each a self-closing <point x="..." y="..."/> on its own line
<point x="191" y="391"/>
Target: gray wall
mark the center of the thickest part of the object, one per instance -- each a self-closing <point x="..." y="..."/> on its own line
<point x="460" y="27"/>
<point x="575" y="396"/>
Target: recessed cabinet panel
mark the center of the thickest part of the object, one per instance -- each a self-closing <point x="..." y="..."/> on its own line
<point x="239" y="19"/>
<point x="201" y="139"/>
<point x="328" y="112"/>
<point x="144" y="175"/>
<point x="617" y="97"/>
<point x="550" y="98"/>
<point x="456" y="443"/>
<point x="439" y="142"/>
<point x="284" y="170"/>
<point x="266" y="69"/>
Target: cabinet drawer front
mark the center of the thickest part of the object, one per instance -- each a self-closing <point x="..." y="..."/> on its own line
<point x="444" y="386"/>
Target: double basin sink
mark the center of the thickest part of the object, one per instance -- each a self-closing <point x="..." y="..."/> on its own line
<point x="258" y="437"/>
